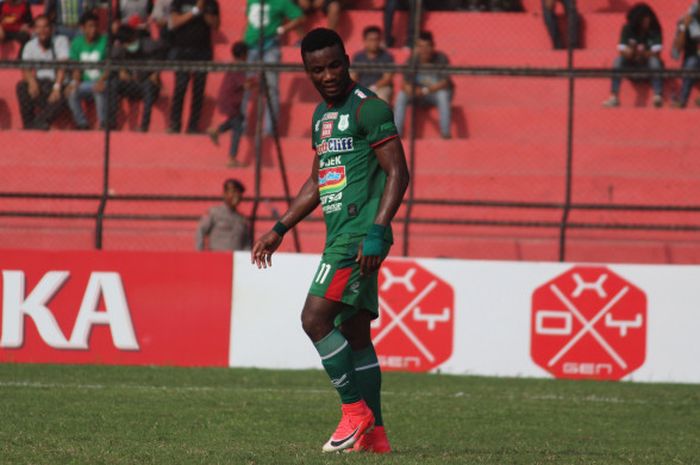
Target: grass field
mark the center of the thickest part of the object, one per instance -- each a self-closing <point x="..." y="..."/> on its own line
<point x="130" y="415"/>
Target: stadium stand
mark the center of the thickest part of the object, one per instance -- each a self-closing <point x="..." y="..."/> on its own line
<point x="509" y="143"/>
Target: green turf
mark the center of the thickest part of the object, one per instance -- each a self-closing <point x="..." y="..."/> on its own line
<point x="129" y="415"/>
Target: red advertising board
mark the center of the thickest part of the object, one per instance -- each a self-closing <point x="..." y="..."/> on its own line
<point x="589" y="322"/>
<point x="415" y="328"/>
<point x="134" y="308"/>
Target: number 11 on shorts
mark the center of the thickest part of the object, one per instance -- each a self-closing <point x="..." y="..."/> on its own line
<point x="322" y="274"/>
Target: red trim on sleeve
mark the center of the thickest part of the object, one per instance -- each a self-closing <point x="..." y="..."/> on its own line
<point x="386" y="139"/>
<point x="337" y="286"/>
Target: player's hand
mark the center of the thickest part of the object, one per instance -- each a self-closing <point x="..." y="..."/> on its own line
<point x="368" y="263"/>
<point x="261" y="255"/>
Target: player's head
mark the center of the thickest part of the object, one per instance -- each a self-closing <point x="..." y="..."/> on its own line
<point x="233" y="192"/>
<point x="372" y="36"/>
<point x="239" y="51"/>
<point x="89" y="22"/>
<point x="326" y="62"/>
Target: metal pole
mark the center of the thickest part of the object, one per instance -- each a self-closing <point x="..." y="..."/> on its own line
<point x="418" y="11"/>
<point x="572" y="20"/>
<point x="258" y="126"/>
<point x="99" y="224"/>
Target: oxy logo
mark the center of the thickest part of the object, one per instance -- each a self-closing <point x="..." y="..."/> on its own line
<point x="18" y="305"/>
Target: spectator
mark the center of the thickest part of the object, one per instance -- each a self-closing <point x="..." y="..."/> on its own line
<point x="140" y="85"/>
<point x="331" y="8"/>
<point x="134" y="13"/>
<point x="550" y="21"/>
<point x="161" y="16"/>
<point x="640" y="47"/>
<point x="379" y="82"/>
<point x="390" y="7"/>
<point x="494" y="5"/>
<point x="89" y="84"/>
<point x="15" y="21"/>
<point x="429" y="88"/>
<point x="192" y="22"/>
<point x="230" y="101"/>
<point x="66" y="14"/>
<point x="223" y="228"/>
<point x="273" y="28"/>
<point x="41" y="89"/>
<point x="686" y="46"/>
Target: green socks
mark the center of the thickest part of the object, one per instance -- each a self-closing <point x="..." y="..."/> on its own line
<point x="369" y="380"/>
<point x="337" y="359"/>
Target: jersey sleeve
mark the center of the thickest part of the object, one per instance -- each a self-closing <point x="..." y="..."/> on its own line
<point x="376" y="120"/>
<point x="292" y="10"/>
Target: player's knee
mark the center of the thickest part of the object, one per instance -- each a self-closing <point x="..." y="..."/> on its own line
<point x="314" y="327"/>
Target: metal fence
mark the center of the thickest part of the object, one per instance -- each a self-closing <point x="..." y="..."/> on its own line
<point x="559" y="197"/>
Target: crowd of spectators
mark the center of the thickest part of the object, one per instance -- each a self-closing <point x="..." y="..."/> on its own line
<point x="181" y="30"/>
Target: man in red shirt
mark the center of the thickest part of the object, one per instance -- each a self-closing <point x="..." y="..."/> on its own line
<point x="15" y="21"/>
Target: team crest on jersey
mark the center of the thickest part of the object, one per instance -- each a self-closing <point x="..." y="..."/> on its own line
<point x="326" y="129"/>
<point x="344" y="122"/>
<point x="360" y="94"/>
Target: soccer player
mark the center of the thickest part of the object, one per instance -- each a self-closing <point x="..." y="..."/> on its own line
<point x="359" y="176"/>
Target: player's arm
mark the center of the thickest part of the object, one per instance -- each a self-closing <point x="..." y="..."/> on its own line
<point x="303" y="204"/>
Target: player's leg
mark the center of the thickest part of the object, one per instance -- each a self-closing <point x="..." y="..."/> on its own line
<point x="317" y="320"/>
<point x="369" y="378"/>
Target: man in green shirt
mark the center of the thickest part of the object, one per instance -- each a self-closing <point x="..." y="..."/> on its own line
<point x="89" y="84"/>
<point x="279" y="17"/>
<point x="358" y="176"/>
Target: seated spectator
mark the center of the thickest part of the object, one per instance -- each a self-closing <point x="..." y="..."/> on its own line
<point x="640" y="47"/>
<point x="134" y="13"/>
<point x="90" y="46"/>
<point x="192" y="23"/>
<point x="686" y="45"/>
<point x="390" y="7"/>
<point x="379" y="82"/>
<point x="331" y="8"/>
<point x="494" y="5"/>
<point x="65" y="15"/>
<point x="161" y="16"/>
<point x="550" y="20"/>
<point x="135" y="85"/>
<point x="230" y="103"/>
<point x="39" y="93"/>
<point x="223" y="228"/>
<point x="429" y="88"/>
<point x="283" y="17"/>
<point x="15" y="21"/>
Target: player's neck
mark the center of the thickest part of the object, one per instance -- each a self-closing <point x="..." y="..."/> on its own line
<point x="343" y="96"/>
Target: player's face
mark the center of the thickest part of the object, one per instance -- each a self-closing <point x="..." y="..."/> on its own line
<point x="232" y="196"/>
<point x="328" y="70"/>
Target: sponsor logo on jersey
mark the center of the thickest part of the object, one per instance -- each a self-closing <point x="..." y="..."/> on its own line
<point x="332" y="208"/>
<point x="331" y="115"/>
<point x="331" y="161"/>
<point x="331" y="180"/>
<point x="326" y="129"/>
<point x="335" y="145"/>
<point x="360" y="94"/>
<point x="344" y="122"/>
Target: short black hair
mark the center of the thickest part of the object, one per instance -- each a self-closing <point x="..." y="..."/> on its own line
<point x="320" y="38"/>
<point x="235" y="183"/>
<point x="239" y="49"/>
<point x="427" y="36"/>
<point x="88" y="16"/>
<point x="41" y="17"/>
<point x="126" y="34"/>
<point x="371" y="30"/>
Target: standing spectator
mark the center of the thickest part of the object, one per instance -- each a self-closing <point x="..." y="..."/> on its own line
<point x="161" y="16"/>
<point x="281" y="16"/>
<point x="686" y="46"/>
<point x="230" y="101"/>
<point x="15" y="21"/>
<point x="192" y="22"/>
<point x="550" y="21"/>
<point x="66" y="14"/>
<point x="379" y="82"/>
<point x="331" y="8"/>
<point x="41" y="89"/>
<point x="89" y="84"/>
<point x="223" y="228"/>
<point x="134" y="13"/>
<point x="639" y="47"/>
<point x="429" y="88"/>
<point x="136" y="85"/>
<point x="390" y="7"/>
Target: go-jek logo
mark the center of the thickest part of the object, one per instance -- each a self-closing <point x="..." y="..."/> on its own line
<point x="331" y="180"/>
<point x="101" y="286"/>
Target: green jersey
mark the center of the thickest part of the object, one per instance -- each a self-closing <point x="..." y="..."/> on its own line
<point x="350" y="179"/>
<point x="276" y="11"/>
<point x="82" y="50"/>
